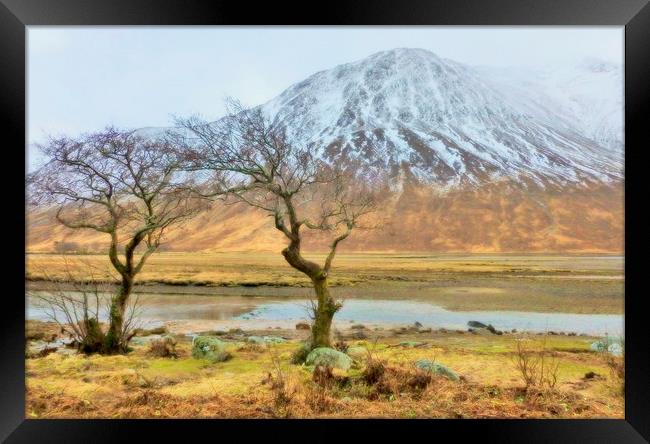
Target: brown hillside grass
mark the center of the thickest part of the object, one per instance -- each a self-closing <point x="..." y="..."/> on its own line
<point x="499" y="217"/>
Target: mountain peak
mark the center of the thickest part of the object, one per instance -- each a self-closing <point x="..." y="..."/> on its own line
<point x="408" y="111"/>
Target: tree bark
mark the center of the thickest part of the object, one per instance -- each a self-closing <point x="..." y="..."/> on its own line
<point x="324" y="314"/>
<point x="114" y="342"/>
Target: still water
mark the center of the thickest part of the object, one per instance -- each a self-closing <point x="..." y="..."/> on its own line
<point x="370" y="311"/>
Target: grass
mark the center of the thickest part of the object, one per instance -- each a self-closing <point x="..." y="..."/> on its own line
<point x="572" y="284"/>
<point x="138" y="385"/>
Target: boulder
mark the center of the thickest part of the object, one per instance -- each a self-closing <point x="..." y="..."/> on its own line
<point x="609" y="345"/>
<point x="255" y="340"/>
<point x="329" y="357"/>
<point x="357" y="352"/>
<point x="265" y="339"/>
<point x="144" y="340"/>
<point x="303" y="326"/>
<point x="615" y="349"/>
<point x="439" y="369"/>
<point x="481" y="326"/>
<point x="210" y="348"/>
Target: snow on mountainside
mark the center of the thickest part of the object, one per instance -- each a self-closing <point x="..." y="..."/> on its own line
<point x="587" y="96"/>
<point x="411" y="112"/>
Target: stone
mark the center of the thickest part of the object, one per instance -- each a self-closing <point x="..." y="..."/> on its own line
<point x="265" y="339"/>
<point x="210" y="348"/>
<point x="609" y="345"/>
<point x="357" y="352"/>
<point x="439" y="369"/>
<point x="329" y="357"/>
<point x="143" y="340"/>
<point x="476" y="324"/>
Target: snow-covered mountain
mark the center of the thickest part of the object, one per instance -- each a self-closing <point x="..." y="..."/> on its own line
<point x="432" y="121"/>
<point x="587" y="96"/>
<point x="413" y="113"/>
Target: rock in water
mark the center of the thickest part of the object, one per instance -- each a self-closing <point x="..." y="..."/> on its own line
<point x="212" y="349"/>
<point x="329" y="357"/>
<point x="476" y="324"/>
<point x="439" y="369"/>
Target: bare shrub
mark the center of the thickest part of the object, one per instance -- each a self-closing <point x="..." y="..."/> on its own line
<point x="282" y="385"/>
<point x="77" y="308"/>
<point x="375" y="368"/>
<point x="536" y="365"/>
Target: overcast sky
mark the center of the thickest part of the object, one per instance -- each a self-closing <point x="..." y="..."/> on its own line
<point x="82" y="78"/>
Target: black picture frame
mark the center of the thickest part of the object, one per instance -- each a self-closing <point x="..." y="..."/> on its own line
<point x="16" y="15"/>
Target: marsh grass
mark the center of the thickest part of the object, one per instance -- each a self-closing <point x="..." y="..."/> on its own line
<point x="572" y="284"/>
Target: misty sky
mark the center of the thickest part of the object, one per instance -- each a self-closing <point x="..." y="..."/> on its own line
<point x="82" y="78"/>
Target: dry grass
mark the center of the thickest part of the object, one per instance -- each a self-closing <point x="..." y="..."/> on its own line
<point x="262" y="383"/>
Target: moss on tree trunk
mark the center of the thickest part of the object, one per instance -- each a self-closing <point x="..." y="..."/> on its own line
<point x="324" y="314"/>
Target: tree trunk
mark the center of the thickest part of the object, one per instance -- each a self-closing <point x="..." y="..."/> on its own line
<point x="114" y="342"/>
<point x="325" y="310"/>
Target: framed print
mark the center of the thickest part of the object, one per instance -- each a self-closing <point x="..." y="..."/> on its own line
<point x="408" y="217"/>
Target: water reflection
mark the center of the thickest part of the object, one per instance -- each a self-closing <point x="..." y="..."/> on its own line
<point x="397" y="312"/>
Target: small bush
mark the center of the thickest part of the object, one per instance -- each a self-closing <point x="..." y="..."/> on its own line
<point x="419" y="381"/>
<point x="341" y="346"/>
<point x="163" y="348"/>
<point x="299" y="356"/>
<point x="323" y="376"/>
<point x="373" y="371"/>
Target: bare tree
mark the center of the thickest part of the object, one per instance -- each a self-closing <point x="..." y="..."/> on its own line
<point x="248" y="159"/>
<point x="118" y="183"/>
